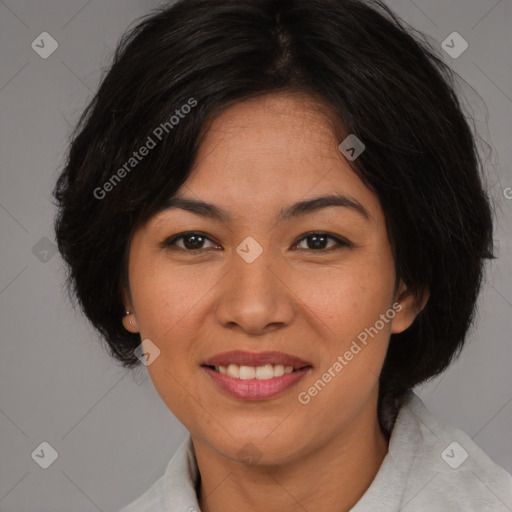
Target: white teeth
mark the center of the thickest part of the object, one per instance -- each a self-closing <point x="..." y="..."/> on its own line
<point x="247" y="372"/>
<point x="233" y="370"/>
<point x="265" y="372"/>
<point x="279" y="370"/>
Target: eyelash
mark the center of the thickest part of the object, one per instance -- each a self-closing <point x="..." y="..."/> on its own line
<point x="340" y="241"/>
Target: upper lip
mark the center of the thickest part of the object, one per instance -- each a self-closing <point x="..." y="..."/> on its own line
<point x="243" y="358"/>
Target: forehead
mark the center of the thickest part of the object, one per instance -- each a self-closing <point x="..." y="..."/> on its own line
<point x="283" y="125"/>
<point x="272" y="150"/>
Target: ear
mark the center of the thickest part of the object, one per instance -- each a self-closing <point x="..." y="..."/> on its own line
<point x="129" y="320"/>
<point x="408" y="308"/>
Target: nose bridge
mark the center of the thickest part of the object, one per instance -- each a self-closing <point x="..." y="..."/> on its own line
<point x="253" y="278"/>
<point x="252" y="270"/>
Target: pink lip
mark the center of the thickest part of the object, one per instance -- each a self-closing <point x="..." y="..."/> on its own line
<point x="255" y="389"/>
<point x="243" y="358"/>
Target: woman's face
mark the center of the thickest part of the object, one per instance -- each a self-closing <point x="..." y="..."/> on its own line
<point x="262" y="281"/>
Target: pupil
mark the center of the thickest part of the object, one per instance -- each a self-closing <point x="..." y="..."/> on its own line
<point x="194" y="245"/>
<point x="317" y="238"/>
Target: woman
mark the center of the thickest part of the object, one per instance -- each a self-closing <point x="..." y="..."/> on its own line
<point x="276" y="206"/>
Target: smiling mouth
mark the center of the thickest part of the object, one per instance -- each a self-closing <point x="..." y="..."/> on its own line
<point x="256" y="383"/>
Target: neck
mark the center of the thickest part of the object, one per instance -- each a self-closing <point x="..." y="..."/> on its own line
<point x="333" y="476"/>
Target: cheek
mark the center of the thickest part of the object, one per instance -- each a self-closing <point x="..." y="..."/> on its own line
<point x="350" y="301"/>
<point x="166" y="296"/>
<point x="168" y="304"/>
<point x="350" y="297"/>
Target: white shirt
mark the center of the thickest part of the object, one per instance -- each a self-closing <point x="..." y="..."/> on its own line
<point x="428" y="468"/>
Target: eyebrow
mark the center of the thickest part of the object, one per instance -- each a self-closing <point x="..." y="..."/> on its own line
<point x="294" y="211"/>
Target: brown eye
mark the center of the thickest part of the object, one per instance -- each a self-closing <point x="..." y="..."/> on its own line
<point x="318" y="241"/>
<point x="193" y="242"/>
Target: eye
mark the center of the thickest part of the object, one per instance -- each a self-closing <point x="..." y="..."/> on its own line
<point x="192" y="242"/>
<point x="319" y="240"/>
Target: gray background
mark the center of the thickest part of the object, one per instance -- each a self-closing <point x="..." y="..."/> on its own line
<point x="112" y="433"/>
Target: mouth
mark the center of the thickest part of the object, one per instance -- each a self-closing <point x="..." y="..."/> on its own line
<point x="255" y="376"/>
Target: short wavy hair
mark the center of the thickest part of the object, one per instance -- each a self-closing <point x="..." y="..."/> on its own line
<point x="382" y="81"/>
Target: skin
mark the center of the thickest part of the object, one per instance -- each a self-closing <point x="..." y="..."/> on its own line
<point x="257" y="157"/>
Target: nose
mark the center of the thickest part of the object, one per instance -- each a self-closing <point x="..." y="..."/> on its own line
<point x="254" y="297"/>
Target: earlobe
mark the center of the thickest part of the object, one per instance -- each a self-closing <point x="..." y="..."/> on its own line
<point x="130" y="322"/>
<point x="410" y="308"/>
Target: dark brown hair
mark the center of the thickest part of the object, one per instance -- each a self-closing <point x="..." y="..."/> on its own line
<point x="384" y="84"/>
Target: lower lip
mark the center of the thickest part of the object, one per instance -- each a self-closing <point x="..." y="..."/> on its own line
<point x="256" y="389"/>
